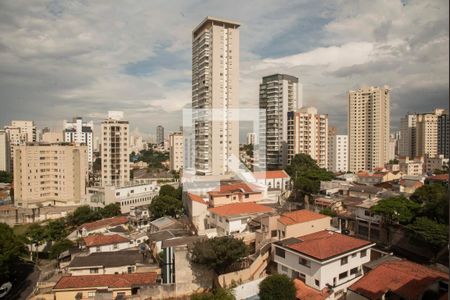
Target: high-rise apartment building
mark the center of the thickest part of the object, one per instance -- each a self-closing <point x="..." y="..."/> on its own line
<point x="160" y="135"/>
<point x="278" y="95"/>
<point x="251" y="138"/>
<point x="443" y="135"/>
<point x="80" y="133"/>
<point x="26" y="127"/>
<point x="308" y="134"/>
<point x="368" y="127"/>
<point x="19" y="133"/>
<point x="49" y="174"/>
<point x="427" y="133"/>
<point x="337" y="152"/>
<point x="215" y="94"/>
<point x="114" y="150"/>
<point x="5" y="152"/>
<point x="407" y="141"/>
<point x="176" y="151"/>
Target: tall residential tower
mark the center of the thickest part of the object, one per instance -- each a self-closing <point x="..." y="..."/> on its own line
<point x="215" y="93"/>
<point x="80" y="133"/>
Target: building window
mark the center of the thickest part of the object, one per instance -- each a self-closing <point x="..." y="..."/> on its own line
<point x="304" y="262"/>
<point x="363" y="253"/>
<point x="344" y="260"/>
<point x="91" y="294"/>
<point x="353" y="271"/>
<point x="317" y="282"/>
<point x="273" y="233"/>
<point x="97" y="249"/>
<point x="280" y="252"/>
<point x="93" y="271"/>
<point x="130" y="270"/>
<point x="343" y="275"/>
<point x="284" y="269"/>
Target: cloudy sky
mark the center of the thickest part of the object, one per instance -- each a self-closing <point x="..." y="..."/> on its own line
<point x="60" y="59"/>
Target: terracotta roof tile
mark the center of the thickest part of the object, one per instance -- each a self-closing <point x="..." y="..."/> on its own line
<point x="404" y="278"/>
<point x="299" y="216"/>
<point x="105" y="223"/>
<point x="109" y="280"/>
<point x="100" y="239"/>
<point x="440" y="177"/>
<point x="326" y="244"/>
<point x="226" y="189"/>
<point x="237" y="209"/>
<point x="197" y="198"/>
<point x="271" y="174"/>
<point x="305" y="292"/>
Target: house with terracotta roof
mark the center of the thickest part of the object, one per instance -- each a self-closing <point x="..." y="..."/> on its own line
<point x="106" y="243"/>
<point x="106" y="286"/>
<point x="196" y="207"/>
<point x="323" y="259"/>
<point x="276" y="179"/>
<point x="372" y="178"/>
<point x="234" y="192"/>
<point x="101" y="226"/>
<point x="441" y="179"/>
<point x="400" y="279"/>
<point x="301" y="222"/>
<point x="234" y="218"/>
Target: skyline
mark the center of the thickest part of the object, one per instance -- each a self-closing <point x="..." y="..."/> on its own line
<point x="62" y="60"/>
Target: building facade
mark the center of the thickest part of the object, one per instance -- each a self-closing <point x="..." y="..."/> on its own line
<point x="407" y="141"/>
<point x="278" y="95"/>
<point x="176" y="154"/>
<point x="80" y="133"/>
<point x="251" y="138"/>
<point x="338" y="153"/>
<point x="443" y="134"/>
<point x="308" y="133"/>
<point x="368" y="127"/>
<point x="159" y="135"/>
<point x="114" y="153"/>
<point x="215" y="93"/>
<point x="5" y="152"/>
<point x="49" y="174"/>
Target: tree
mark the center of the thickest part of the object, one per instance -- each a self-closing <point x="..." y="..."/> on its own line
<point x="111" y="210"/>
<point x="434" y="202"/>
<point x="36" y="235"/>
<point x="59" y="247"/>
<point x="218" y="294"/>
<point x="165" y="206"/>
<point x="168" y="190"/>
<point x="83" y="214"/>
<point x="56" y="230"/>
<point x="219" y="253"/>
<point x="5" y="177"/>
<point x="11" y="248"/>
<point x="396" y="209"/>
<point x="430" y="232"/>
<point x="307" y="175"/>
<point x="393" y="162"/>
<point x="97" y="165"/>
<point x="278" y="287"/>
<point x="328" y="212"/>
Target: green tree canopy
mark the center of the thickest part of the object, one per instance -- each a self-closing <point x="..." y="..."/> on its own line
<point x="11" y="248"/>
<point x="5" y="177"/>
<point x="218" y="294"/>
<point x="219" y="253"/>
<point x="59" y="247"/>
<point x="56" y="230"/>
<point x="396" y="209"/>
<point x="430" y="232"/>
<point x="168" y="190"/>
<point x="110" y="210"/>
<point x="328" y="212"/>
<point x="434" y="202"/>
<point x="307" y="175"/>
<point x="278" y="287"/>
<point x="83" y="214"/>
<point x="165" y="206"/>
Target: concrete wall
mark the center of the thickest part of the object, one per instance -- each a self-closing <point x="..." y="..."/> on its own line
<point x="296" y="230"/>
<point x="247" y="290"/>
<point x="235" y="198"/>
<point x="110" y="248"/>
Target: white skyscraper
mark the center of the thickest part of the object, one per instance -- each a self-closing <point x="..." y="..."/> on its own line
<point x="176" y="151"/>
<point x="278" y="94"/>
<point x="115" y="153"/>
<point x="215" y="93"/>
<point x="337" y="152"/>
<point x="80" y="133"/>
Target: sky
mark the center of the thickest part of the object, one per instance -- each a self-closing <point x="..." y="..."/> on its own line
<point x="62" y="59"/>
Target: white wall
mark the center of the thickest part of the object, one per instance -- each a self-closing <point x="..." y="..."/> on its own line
<point x="112" y="247"/>
<point x="248" y="289"/>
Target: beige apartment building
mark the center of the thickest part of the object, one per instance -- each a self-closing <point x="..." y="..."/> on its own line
<point x="114" y="150"/>
<point x="19" y="133"/>
<point x="427" y="133"/>
<point x="308" y="133"/>
<point x="215" y="93"/>
<point x="278" y="95"/>
<point x="176" y="151"/>
<point x="49" y="174"/>
<point x="5" y="152"/>
<point x="368" y="127"/>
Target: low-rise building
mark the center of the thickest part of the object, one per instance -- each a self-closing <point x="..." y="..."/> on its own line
<point x="234" y="218"/>
<point x="239" y="192"/>
<point x="323" y="259"/>
<point x="106" y="243"/>
<point x="101" y="226"/>
<point x="118" y="262"/>
<point x="108" y="286"/>
<point x="433" y="163"/>
<point x="400" y="279"/>
<point x="277" y="179"/>
<point x="370" y="178"/>
<point x="301" y="222"/>
<point x="164" y="223"/>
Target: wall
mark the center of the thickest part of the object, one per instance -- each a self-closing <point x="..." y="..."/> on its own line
<point x="247" y="290"/>
<point x="296" y="230"/>
<point x="86" y="270"/>
<point x="234" y="198"/>
<point x="110" y="248"/>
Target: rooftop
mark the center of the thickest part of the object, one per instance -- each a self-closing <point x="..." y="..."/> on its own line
<point x="305" y="292"/>
<point x="271" y="174"/>
<point x="100" y="239"/>
<point x="166" y="223"/>
<point x="441" y="177"/>
<point x="108" y="259"/>
<point x="114" y="221"/>
<point x="403" y="278"/>
<point x="299" y="216"/>
<point x="240" y="209"/>
<point x="324" y="245"/>
<point x="365" y="189"/>
<point x="110" y="281"/>
<point x="197" y="198"/>
<point x="227" y="189"/>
